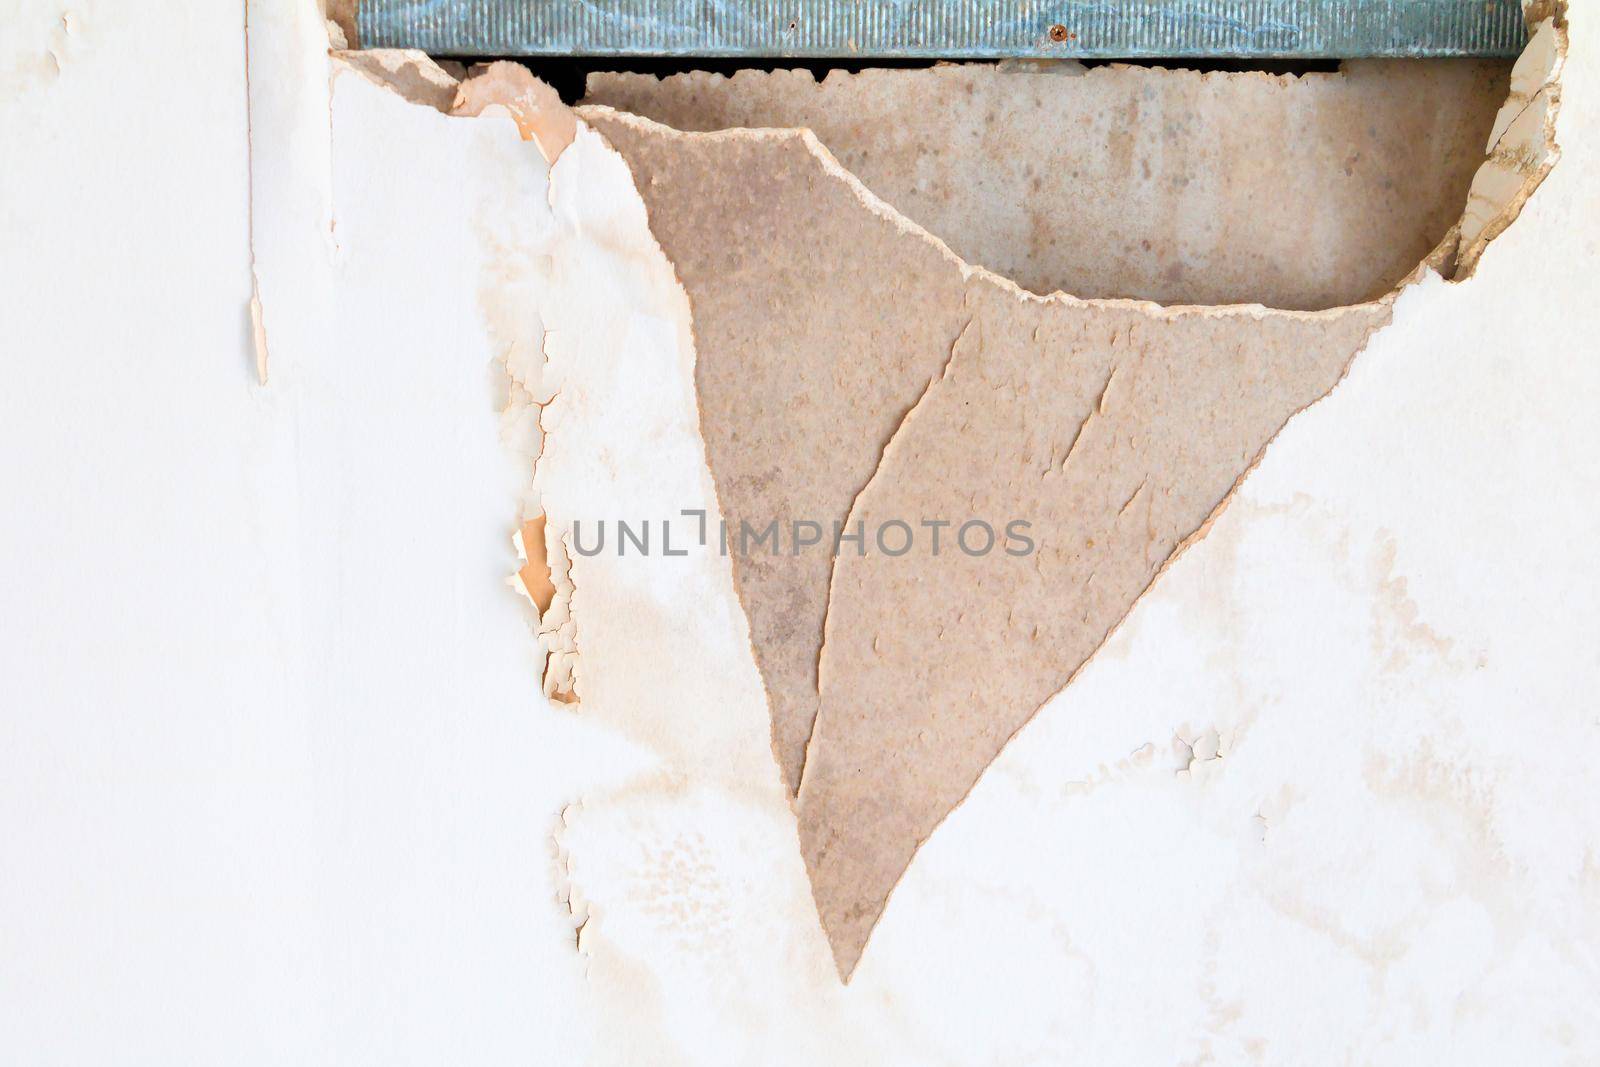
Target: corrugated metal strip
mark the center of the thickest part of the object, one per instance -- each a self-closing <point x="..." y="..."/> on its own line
<point x="956" y="29"/>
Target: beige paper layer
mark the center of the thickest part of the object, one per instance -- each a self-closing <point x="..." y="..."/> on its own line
<point x="1294" y="192"/>
<point x="849" y="367"/>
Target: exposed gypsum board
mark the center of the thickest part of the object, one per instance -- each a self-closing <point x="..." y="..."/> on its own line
<point x="953" y="29"/>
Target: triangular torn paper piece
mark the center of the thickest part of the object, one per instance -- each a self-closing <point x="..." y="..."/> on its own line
<point x="850" y="369"/>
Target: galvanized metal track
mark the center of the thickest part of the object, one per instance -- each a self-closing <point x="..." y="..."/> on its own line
<point x="950" y="29"/>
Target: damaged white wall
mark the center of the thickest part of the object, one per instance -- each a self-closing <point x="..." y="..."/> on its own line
<point x="242" y="822"/>
<point x="279" y="785"/>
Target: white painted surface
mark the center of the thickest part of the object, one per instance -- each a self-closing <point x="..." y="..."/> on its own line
<point x="276" y="784"/>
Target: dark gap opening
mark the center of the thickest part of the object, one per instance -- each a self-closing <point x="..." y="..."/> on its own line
<point x="566" y="74"/>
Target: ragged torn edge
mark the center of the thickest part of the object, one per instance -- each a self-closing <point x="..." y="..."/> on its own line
<point x="411" y="74"/>
<point x="1522" y="148"/>
<point x="545" y="579"/>
<point x="580" y="910"/>
<point x="545" y="576"/>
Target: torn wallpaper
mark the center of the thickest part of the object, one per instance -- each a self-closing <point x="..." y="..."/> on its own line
<point x="1092" y="566"/>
